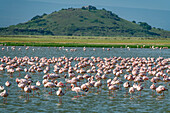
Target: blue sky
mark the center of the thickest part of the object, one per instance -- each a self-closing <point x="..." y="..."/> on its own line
<point x="155" y="12"/>
<point x="145" y="4"/>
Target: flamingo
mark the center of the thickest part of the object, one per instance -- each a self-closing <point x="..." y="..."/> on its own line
<point x="60" y="94"/>
<point x="27" y="76"/>
<point x="126" y="85"/>
<point x="38" y="83"/>
<point x="34" y="88"/>
<point x="80" y="79"/>
<point x="1" y="88"/>
<point x="90" y="83"/>
<point x="84" y="87"/>
<point x="98" y="84"/>
<point x="4" y="94"/>
<point x="131" y="91"/>
<point x="161" y="89"/>
<point x="104" y="77"/>
<point x="19" y="70"/>
<point x="27" y="90"/>
<point x="139" y="88"/>
<point x="50" y="85"/>
<point x="153" y="87"/>
<point x="145" y="78"/>
<point x="76" y="89"/>
<point x="61" y="85"/>
<point x="166" y="79"/>
<point x="8" y="84"/>
<point x="21" y="85"/>
<point x="113" y="88"/>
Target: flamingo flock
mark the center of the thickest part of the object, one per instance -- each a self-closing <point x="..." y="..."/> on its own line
<point x="83" y="75"/>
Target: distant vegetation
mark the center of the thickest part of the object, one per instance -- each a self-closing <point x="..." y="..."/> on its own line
<point x="81" y="41"/>
<point x="85" y="21"/>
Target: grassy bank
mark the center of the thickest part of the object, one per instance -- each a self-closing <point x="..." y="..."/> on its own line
<point x="81" y="41"/>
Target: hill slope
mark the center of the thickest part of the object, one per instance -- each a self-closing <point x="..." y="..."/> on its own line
<point x="85" y="21"/>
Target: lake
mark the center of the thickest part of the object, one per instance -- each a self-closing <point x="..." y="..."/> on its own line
<point x="93" y="101"/>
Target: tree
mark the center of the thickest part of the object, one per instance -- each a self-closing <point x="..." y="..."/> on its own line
<point x="90" y="7"/>
<point x="36" y="17"/>
<point x="145" y="25"/>
<point x="134" y="21"/>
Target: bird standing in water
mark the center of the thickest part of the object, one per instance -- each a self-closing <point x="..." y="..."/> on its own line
<point x="4" y="94"/>
<point x="8" y="84"/>
<point x="60" y="93"/>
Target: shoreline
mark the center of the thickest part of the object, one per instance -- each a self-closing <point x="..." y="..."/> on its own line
<point x="84" y="41"/>
<point x="97" y="45"/>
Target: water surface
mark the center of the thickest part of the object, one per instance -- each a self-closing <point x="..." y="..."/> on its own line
<point x="93" y="102"/>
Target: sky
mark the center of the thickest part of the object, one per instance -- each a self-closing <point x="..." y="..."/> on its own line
<point x="154" y="12"/>
<point x="146" y="4"/>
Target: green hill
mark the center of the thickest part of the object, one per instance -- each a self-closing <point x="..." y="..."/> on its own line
<point x="85" y="21"/>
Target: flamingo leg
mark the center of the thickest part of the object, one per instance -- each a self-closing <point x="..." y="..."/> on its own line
<point x="120" y="87"/>
<point x="60" y="99"/>
<point x="51" y="90"/>
<point x="131" y="95"/>
<point x="77" y="94"/>
<point x="22" y="92"/>
<point x="84" y="94"/>
<point x="8" y="90"/>
<point x="6" y="99"/>
<point x="130" y="83"/>
<point x="28" y="96"/>
<point x="11" y="75"/>
<point x="3" y="100"/>
<point x="66" y="86"/>
<point x="126" y="91"/>
<point x="38" y="93"/>
<point x="93" y="89"/>
<point x="97" y="90"/>
<point x="79" y="83"/>
<point x="109" y="92"/>
<point x="33" y="93"/>
<point x="145" y="84"/>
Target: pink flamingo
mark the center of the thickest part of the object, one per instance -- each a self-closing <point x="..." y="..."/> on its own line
<point x="38" y="83"/>
<point x="131" y="91"/>
<point x="113" y="88"/>
<point x="27" y="90"/>
<point x="98" y="84"/>
<point x="34" y="88"/>
<point x="76" y="89"/>
<point x="126" y="85"/>
<point x="60" y="93"/>
<point x="161" y="89"/>
<point x="8" y="84"/>
<point x="84" y="87"/>
<point x="4" y="94"/>
<point x="153" y="87"/>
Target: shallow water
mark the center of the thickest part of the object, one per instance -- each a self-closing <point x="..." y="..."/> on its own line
<point x="92" y="102"/>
